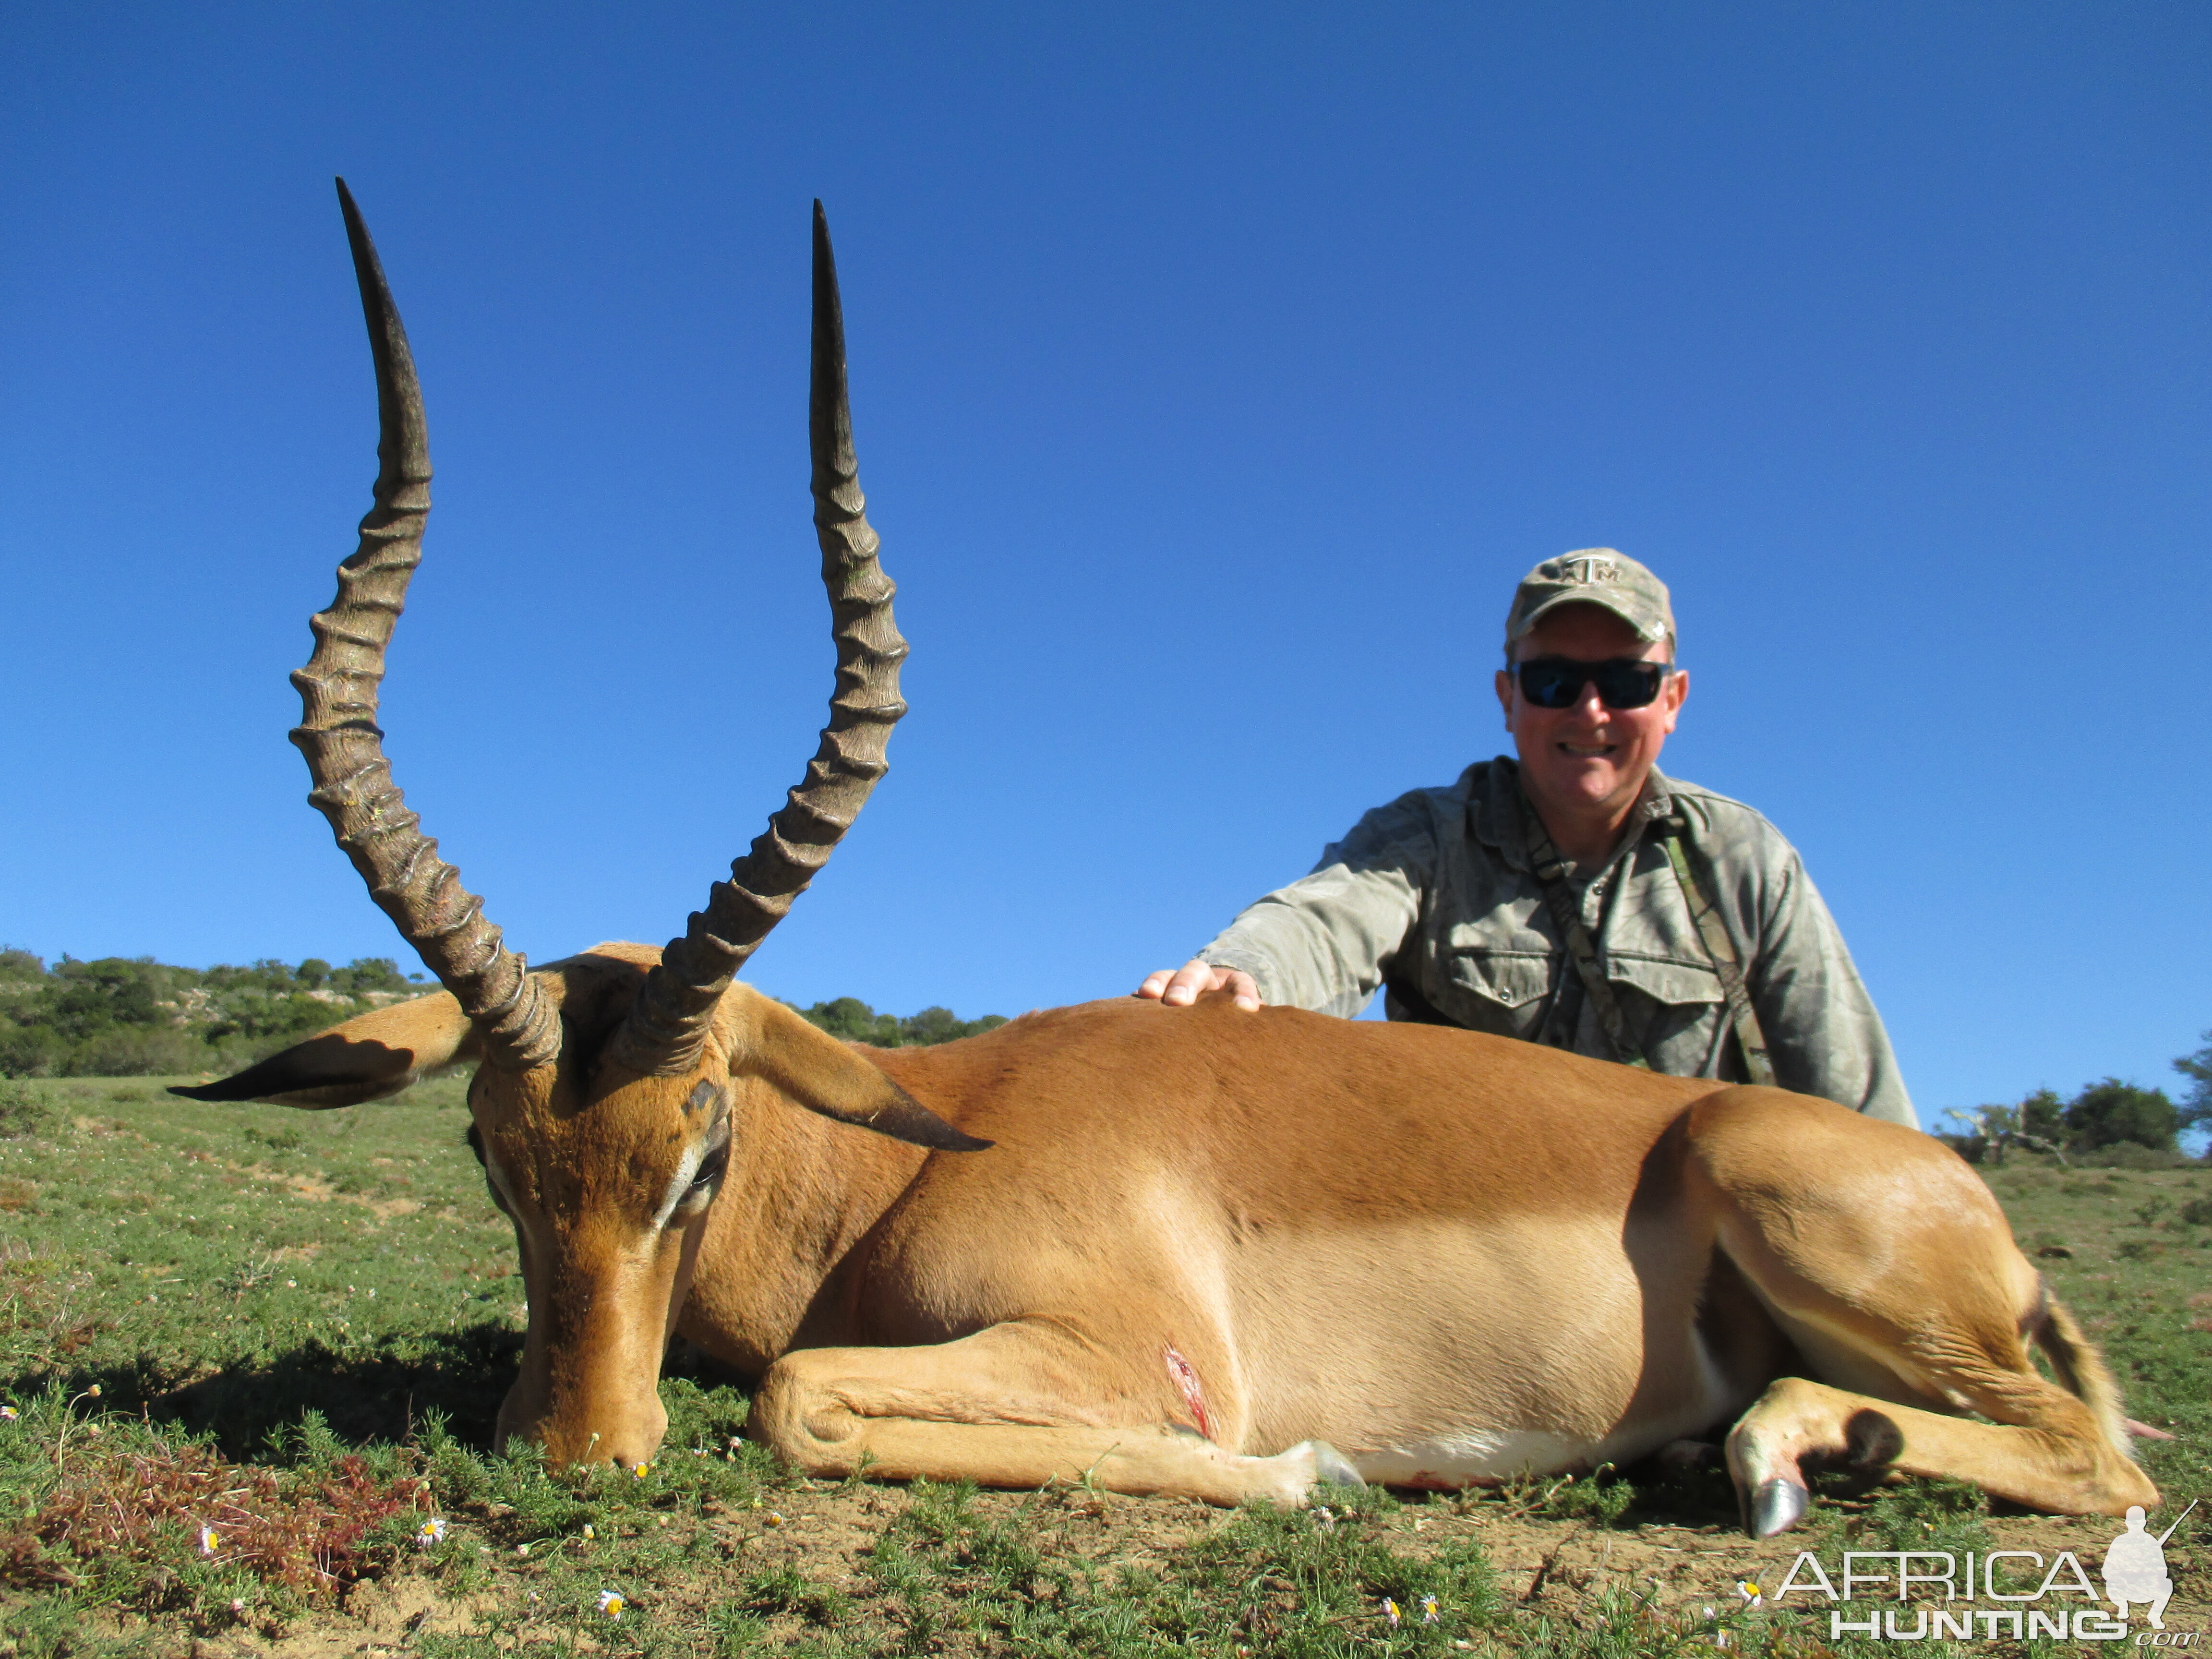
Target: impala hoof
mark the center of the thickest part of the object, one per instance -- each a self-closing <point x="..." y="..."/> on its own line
<point x="1776" y="1507"/>
<point x="1331" y="1466"/>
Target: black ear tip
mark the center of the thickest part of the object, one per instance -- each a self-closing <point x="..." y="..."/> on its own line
<point x="226" y="1089"/>
<point x="960" y="1143"/>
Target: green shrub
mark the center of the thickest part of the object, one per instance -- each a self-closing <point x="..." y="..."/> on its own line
<point x="855" y="1022"/>
<point x="2110" y="1113"/>
<point x="23" y="1111"/>
<point x="134" y="1017"/>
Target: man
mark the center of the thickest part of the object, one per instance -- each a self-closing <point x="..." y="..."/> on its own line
<point x="1575" y="896"/>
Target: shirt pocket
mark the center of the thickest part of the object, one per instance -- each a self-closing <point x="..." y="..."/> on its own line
<point x="1678" y="1006"/>
<point x="1501" y="991"/>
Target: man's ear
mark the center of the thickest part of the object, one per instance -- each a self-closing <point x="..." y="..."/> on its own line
<point x="369" y="1057"/>
<point x="1677" y="692"/>
<point x="814" y="1070"/>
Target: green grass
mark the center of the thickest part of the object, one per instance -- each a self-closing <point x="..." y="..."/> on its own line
<point x="2137" y="1273"/>
<point x="296" y="1328"/>
<point x="229" y="1268"/>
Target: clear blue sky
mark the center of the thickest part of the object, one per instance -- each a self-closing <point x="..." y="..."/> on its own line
<point x="1216" y="371"/>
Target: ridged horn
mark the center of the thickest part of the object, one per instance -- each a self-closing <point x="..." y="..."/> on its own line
<point x="667" y="1025"/>
<point x="338" y="731"/>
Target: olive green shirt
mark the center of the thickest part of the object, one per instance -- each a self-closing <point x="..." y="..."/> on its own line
<point x="1432" y="897"/>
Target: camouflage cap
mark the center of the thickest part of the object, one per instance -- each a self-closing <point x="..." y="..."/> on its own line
<point x="1595" y="575"/>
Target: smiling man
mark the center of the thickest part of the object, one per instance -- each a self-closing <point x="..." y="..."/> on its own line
<point x="1575" y="896"/>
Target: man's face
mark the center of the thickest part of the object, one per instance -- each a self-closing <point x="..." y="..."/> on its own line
<point x="1588" y="759"/>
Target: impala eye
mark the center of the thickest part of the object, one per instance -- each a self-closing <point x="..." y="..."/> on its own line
<point x="711" y="1168"/>
<point x="690" y="1200"/>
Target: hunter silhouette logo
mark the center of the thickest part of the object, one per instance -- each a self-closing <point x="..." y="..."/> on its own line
<point x="2136" y="1575"/>
<point x="2135" y="1567"/>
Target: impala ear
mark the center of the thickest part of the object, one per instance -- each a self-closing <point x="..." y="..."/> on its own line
<point x="369" y="1057"/>
<point x="815" y="1071"/>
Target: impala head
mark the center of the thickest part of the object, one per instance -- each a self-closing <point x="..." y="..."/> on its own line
<point x="610" y="1087"/>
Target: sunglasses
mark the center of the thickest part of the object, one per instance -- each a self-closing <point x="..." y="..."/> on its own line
<point x="1621" y="682"/>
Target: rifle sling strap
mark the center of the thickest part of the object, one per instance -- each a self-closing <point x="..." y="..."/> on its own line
<point x="1550" y="874"/>
<point x="1566" y="916"/>
<point x="1713" y="931"/>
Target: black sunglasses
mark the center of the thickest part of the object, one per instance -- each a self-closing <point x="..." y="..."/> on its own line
<point x="1621" y="682"/>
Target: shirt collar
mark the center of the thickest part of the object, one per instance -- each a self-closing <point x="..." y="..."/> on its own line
<point x="1494" y="810"/>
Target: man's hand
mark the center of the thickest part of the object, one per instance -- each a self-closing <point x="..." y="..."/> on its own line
<point x="1179" y="987"/>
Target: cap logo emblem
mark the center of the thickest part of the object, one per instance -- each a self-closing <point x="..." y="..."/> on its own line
<point x="1587" y="567"/>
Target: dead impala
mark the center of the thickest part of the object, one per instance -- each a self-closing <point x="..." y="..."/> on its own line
<point x="1212" y="1252"/>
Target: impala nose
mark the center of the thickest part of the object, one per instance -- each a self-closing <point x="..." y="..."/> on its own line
<point x="626" y="1438"/>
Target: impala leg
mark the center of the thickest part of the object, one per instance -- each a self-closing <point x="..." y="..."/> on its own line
<point x="1892" y="1269"/>
<point x="1006" y="1407"/>
<point x="2064" y="1464"/>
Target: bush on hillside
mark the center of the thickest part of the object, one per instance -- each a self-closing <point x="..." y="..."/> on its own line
<point x="134" y="1017"/>
<point x="2196" y="1106"/>
<point x="2109" y="1119"/>
<point x="854" y="1020"/>
<point x="2043" y="1114"/>
<point x="2111" y="1112"/>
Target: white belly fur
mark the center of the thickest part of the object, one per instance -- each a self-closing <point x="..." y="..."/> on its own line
<point x="1478" y="1456"/>
<point x="1472" y="1456"/>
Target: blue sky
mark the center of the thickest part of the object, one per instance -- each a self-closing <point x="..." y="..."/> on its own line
<point x="1216" y="371"/>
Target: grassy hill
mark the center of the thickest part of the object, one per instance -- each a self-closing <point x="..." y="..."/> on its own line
<point x="135" y="1017"/>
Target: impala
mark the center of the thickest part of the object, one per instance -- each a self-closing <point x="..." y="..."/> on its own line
<point x="1215" y="1251"/>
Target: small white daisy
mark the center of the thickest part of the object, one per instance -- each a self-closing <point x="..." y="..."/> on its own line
<point x="209" y="1541"/>
<point x="432" y="1531"/>
<point x="612" y="1604"/>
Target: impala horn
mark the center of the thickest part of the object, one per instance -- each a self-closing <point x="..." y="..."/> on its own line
<point x="667" y="1025"/>
<point x="338" y="731"/>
